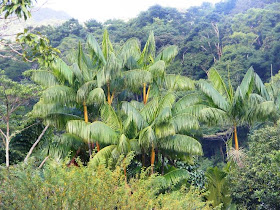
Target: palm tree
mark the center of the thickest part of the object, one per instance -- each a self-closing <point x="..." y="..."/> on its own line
<point x="161" y="126"/>
<point x="144" y="69"/>
<point x="68" y="88"/>
<point x="250" y="101"/>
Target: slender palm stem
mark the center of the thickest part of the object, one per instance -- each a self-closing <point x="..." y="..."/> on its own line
<point x="153" y="155"/>
<point x="144" y="93"/>
<point x="86" y="120"/>
<point x="235" y="138"/>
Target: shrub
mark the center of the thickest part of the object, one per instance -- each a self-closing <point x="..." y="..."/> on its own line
<point x="57" y="186"/>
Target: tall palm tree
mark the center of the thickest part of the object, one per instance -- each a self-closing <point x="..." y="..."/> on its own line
<point x="161" y="126"/>
<point x="68" y="88"/>
<point x="145" y="70"/>
<point x="250" y="101"/>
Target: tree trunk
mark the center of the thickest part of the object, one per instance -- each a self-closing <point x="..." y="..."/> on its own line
<point x="35" y="144"/>
<point x="235" y="138"/>
<point x="86" y="120"/>
<point x="7" y="153"/>
<point x="153" y="155"/>
<point x="43" y="162"/>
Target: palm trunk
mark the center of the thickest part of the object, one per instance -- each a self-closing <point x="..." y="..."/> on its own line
<point x="144" y="93"/>
<point x="235" y="138"/>
<point x="153" y="155"/>
<point x="162" y="164"/>
<point x="143" y="159"/>
<point x="86" y="120"/>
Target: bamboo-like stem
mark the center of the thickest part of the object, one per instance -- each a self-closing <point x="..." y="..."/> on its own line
<point x="235" y="138"/>
<point x="144" y="93"/>
<point x="86" y="120"/>
<point x="108" y="96"/>
<point x="153" y="155"/>
<point x="148" y="92"/>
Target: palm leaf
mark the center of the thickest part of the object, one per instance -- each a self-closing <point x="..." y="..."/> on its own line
<point x="59" y="93"/>
<point x="149" y="111"/>
<point x="178" y="83"/>
<point x="136" y="78"/>
<point x="134" y="115"/>
<point x="97" y="96"/>
<point x="147" y="137"/>
<point x="44" y="78"/>
<point x="102" y="156"/>
<point x="182" y="144"/>
<point x="185" y="122"/>
<point x="247" y="84"/>
<point x="107" y="46"/>
<point x="185" y="102"/>
<point x="218" y="83"/>
<point x="95" y="50"/>
<point x="109" y="116"/>
<point x="99" y="131"/>
<point x="168" y="54"/>
<point x="212" y="93"/>
<point x="62" y="69"/>
<point x="149" y="51"/>
<point x="174" y="177"/>
<point x="84" y="90"/>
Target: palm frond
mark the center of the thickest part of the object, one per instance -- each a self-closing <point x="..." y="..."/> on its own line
<point x="136" y="78"/>
<point x="168" y="54"/>
<point x="185" y="122"/>
<point x="60" y="120"/>
<point x="99" y="131"/>
<point x="62" y="69"/>
<point x="147" y="137"/>
<point x="84" y="90"/>
<point x="178" y="83"/>
<point x="134" y="115"/>
<point x="157" y="69"/>
<point x="95" y="50"/>
<point x="261" y="88"/>
<point x="124" y="145"/>
<point x="185" y="102"/>
<point x="59" y="93"/>
<point x="97" y="96"/>
<point x="163" y="116"/>
<point x="149" y="50"/>
<point x="182" y="144"/>
<point x="102" y="156"/>
<point x="213" y="116"/>
<point x="107" y="46"/>
<point x="149" y="111"/>
<point x="218" y="83"/>
<point x="44" y="78"/>
<point x="130" y="50"/>
<point x="164" y="130"/>
<point x="247" y="84"/>
<point x="174" y="177"/>
<point x="212" y="93"/>
<point x="79" y="128"/>
<point x="110" y="117"/>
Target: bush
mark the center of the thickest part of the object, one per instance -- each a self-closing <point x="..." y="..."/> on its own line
<point x="60" y="187"/>
<point x="257" y="184"/>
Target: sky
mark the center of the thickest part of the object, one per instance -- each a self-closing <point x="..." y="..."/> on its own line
<point x="103" y="10"/>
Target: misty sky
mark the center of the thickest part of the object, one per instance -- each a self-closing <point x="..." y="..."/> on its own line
<point x="103" y="10"/>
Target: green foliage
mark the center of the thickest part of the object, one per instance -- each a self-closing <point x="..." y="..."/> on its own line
<point x="86" y="187"/>
<point x="218" y="187"/>
<point x="256" y="184"/>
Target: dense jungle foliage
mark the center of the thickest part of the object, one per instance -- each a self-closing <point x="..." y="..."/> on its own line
<point x="169" y="110"/>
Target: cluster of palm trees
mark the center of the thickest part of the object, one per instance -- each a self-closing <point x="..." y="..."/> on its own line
<point x="117" y="101"/>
